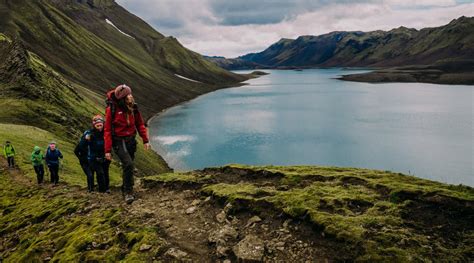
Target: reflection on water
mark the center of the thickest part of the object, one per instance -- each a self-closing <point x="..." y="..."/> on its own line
<point x="308" y="117"/>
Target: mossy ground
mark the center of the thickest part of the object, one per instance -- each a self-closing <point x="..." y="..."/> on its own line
<point x="381" y="215"/>
<point x="64" y="224"/>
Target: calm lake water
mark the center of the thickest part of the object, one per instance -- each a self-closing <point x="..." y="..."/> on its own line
<point x="307" y="117"/>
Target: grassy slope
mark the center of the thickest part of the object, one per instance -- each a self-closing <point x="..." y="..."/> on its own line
<point x="75" y="40"/>
<point x="381" y="215"/>
<point x="24" y="138"/>
<point x="35" y="95"/>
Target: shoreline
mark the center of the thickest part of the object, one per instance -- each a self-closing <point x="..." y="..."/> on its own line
<point x="252" y="75"/>
<point x="442" y="73"/>
<point x="412" y="76"/>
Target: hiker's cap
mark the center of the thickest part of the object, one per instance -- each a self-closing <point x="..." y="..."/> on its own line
<point x="97" y="119"/>
<point x="37" y="148"/>
<point x="52" y="142"/>
<point x="122" y="91"/>
<point x="7" y="142"/>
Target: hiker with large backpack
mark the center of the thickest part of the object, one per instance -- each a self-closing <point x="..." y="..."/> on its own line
<point x="122" y="121"/>
<point x="53" y="154"/>
<point x="93" y="139"/>
<point x="9" y="152"/>
<point x="37" y="159"/>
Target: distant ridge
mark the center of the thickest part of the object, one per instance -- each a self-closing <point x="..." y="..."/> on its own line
<point x="398" y="47"/>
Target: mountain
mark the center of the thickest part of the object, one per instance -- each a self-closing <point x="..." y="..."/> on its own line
<point x="398" y="47"/>
<point x="57" y="58"/>
<point x="232" y="63"/>
<point x="98" y="45"/>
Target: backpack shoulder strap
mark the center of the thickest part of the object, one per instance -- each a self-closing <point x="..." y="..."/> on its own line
<point x="111" y="104"/>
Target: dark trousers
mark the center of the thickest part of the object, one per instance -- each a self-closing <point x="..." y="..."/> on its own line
<point x="39" y="170"/>
<point x="106" y="166"/>
<point x="11" y="161"/>
<point x="125" y="150"/>
<point x="54" y="172"/>
<point x="87" y="171"/>
<point x="100" y="168"/>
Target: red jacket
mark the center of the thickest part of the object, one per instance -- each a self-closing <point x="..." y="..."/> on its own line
<point x="122" y="128"/>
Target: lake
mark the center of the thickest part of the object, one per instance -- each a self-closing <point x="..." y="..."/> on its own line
<point x="309" y="118"/>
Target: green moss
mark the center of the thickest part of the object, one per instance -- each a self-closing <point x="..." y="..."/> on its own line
<point x="4" y="38"/>
<point x="365" y="209"/>
<point x="178" y="177"/>
<point x="37" y="224"/>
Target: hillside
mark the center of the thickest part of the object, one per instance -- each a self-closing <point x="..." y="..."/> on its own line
<point x="400" y="47"/>
<point x="99" y="45"/>
<point x="244" y="213"/>
<point x="36" y="100"/>
<point x="58" y="58"/>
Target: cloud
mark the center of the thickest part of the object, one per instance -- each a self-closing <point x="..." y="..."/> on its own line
<point x="233" y="28"/>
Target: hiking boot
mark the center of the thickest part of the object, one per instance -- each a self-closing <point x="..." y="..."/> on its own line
<point x="129" y="198"/>
<point x="107" y="191"/>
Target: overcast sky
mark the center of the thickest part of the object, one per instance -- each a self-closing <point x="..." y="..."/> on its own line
<point x="232" y="28"/>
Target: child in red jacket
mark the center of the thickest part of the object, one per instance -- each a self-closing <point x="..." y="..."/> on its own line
<point x="122" y="121"/>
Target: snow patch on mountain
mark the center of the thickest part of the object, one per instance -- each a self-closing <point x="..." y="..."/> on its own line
<point x="183" y="77"/>
<point x="112" y="24"/>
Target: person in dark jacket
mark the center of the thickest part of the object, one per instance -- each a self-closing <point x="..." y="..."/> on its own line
<point x="123" y="120"/>
<point x="52" y="160"/>
<point x="81" y="152"/>
<point x="94" y="139"/>
<point x="37" y="159"/>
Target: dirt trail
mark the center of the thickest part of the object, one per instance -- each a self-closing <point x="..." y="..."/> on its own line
<point x="199" y="228"/>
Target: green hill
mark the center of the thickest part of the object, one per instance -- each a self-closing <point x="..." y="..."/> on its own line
<point x="74" y="38"/>
<point x="58" y="59"/>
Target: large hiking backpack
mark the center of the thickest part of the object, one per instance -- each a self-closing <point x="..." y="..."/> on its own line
<point x="111" y="102"/>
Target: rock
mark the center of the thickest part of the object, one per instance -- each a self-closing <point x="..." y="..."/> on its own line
<point x="251" y="248"/>
<point x="228" y="208"/>
<point x="95" y="245"/>
<point x="235" y="221"/>
<point x="280" y="244"/>
<point x="227" y="261"/>
<point x="47" y="259"/>
<point x="285" y="224"/>
<point x="167" y="224"/>
<point x="191" y="210"/>
<point x="222" y="251"/>
<point x="145" y="247"/>
<point x="221" y="217"/>
<point x="176" y="253"/>
<point x="196" y="202"/>
<point x="253" y="220"/>
<point x="207" y="199"/>
<point x="223" y="235"/>
<point x="147" y="213"/>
